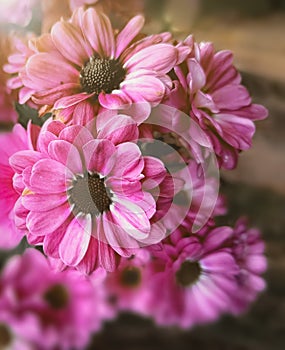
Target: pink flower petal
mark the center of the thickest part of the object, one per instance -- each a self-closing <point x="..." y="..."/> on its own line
<point x="48" y="71"/>
<point x="129" y="162"/>
<point x="128" y="33"/>
<point x="42" y="223"/>
<point x="49" y="176"/>
<point x="67" y="154"/>
<point x="98" y="30"/>
<point x="72" y="100"/>
<point x="231" y="97"/>
<point x="77" y="135"/>
<point x="196" y="76"/>
<point x="99" y="156"/>
<point x="76" y="240"/>
<point x="119" y="129"/>
<point x="117" y="99"/>
<point x="22" y="159"/>
<point x="83" y="112"/>
<point x="42" y="203"/>
<point x="154" y="171"/>
<point x="219" y="262"/>
<point x="160" y="58"/>
<point x="70" y="42"/>
<point x="49" y="97"/>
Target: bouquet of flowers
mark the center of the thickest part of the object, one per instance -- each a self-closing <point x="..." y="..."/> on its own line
<point x="111" y="176"/>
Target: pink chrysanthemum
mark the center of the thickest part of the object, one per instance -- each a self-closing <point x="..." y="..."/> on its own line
<point x="86" y="196"/>
<point x="192" y="281"/>
<point x="209" y="87"/>
<point x="47" y="309"/>
<point x="248" y="250"/>
<point x="127" y="287"/>
<point x="10" y="143"/>
<point x="85" y="61"/>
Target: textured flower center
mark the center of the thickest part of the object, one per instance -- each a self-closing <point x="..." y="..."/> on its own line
<point x="5" y="336"/>
<point x="130" y="277"/>
<point x="57" y="297"/>
<point x="101" y="75"/>
<point x="188" y="273"/>
<point x="89" y="195"/>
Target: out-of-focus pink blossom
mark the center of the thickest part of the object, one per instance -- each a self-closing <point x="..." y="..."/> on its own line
<point x="193" y="280"/>
<point x="17" y="140"/>
<point x="45" y="308"/>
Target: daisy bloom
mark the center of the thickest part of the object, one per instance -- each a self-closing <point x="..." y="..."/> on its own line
<point x="193" y="280"/>
<point x="86" y="196"/>
<point x="216" y="100"/>
<point x="86" y="64"/>
<point x="45" y="308"/>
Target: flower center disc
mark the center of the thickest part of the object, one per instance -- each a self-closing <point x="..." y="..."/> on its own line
<point x="57" y="297"/>
<point x="188" y="273"/>
<point x="131" y="277"/>
<point x="89" y="195"/>
<point x="5" y="336"/>
<point x="101" y="75"/>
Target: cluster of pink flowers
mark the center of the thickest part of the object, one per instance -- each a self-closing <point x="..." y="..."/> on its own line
<point x="119" y="188"/>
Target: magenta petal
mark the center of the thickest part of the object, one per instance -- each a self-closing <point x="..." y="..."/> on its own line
<point x="119" y="129"/>
<point x="217" y="237"/>
<point x="129" y="162"/>
<point x="42" y="223"/>
<point x="42" y="203"/>
<point x="231" y="97"/>
<point x="128" y="33"/>
<point x="72" y="100"/>
<point x="99" y="156"/>
<point x="53" y="240"/>
<point x="22" y="159"/>
<point x="76" y="240"/>
<point x="196" y="77"/>
<point x="49" y="176"/>
<point x="77" y="135"/>
<point x="154" y="171"/>
<point x="131" y="218"/>
<point x="144" y="88"/>
<point x="83" y="113"/>
<point x="115" y="100"/>
<point x="90" y="260"/>
<point x="219" y="262"/>
<point x="67" y="154"/>
<point x="160" y="58"/>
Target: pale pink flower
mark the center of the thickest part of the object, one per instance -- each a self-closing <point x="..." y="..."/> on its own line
<point x="77" y="3"/>
<point x="10" y="196"/>
<point x="193" y="279"/>
<point x="45" y="308"/>
<point x="209" y="88"/>
<point x="86" y="197"/>
<point x="86" y="64"/>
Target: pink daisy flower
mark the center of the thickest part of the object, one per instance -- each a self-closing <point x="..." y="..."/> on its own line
<point x="10" y="143"/>
<point x="45" y="308"/>
<point x="86" y="196"/>
<point x="248" y="250"/>
<point x="193" y="281"/>
<point x="216" y="100"/>
<point x="127" y="287"/>
<point x="85" y="61"/>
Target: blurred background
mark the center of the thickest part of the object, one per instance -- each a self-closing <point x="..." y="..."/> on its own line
<point x="254" y="30"/>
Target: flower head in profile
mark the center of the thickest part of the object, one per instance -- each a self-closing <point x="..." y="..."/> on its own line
<point x="46" y="309"/>
<point x="208" y="87"/>
<point x="193" y="279"/>
<point x="11" y="142"/>
<point x="86" y="197"/>
<point x="84" y="63"/>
